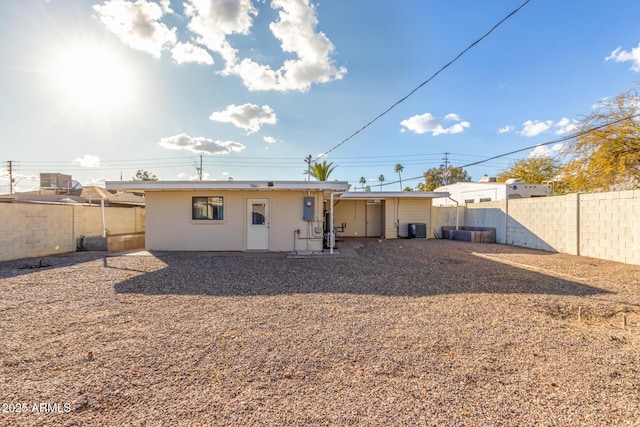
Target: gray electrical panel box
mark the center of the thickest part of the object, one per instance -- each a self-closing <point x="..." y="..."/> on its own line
<point x="308" y="209"/>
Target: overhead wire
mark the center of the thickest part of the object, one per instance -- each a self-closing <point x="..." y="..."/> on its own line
<point x="433" y="76"/>
<point x="555" y="141"/>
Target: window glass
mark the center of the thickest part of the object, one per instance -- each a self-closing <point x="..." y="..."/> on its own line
<point x="207" y="208"/>
<point x="257" y="214"/>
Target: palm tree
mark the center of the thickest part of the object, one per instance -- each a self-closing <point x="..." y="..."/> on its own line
<point x="381" y="178"/>
<point x="363" y="181"/>
<point x="399" y="169"/>
<point x="321" y="171"/>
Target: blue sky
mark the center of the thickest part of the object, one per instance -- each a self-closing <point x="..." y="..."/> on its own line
<point x="99" y="89"/>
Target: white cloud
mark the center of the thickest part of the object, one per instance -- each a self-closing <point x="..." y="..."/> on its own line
<point x="213" y="20"/>
<point x="506" y="129"/>
<point x="620" y="55"/>
<point x="535" y="127"/>
<point x="188" y="52"/>
<point x="296" y="31"/>
<point x="566" y="125"/>
<point x="545" y="151"/>
<point x="95" y="181"/>
<point x="200" y="144"/>
<point x="166" y="6"/>
<point x="206" y="176"/>
<point x="270" y="140"/>
<point x="210" y="23"/>
<point x="137" y="24"/>
<point x="426" y="123"/>
<point x="88" y="161"/>
<point x="249" y="117"/>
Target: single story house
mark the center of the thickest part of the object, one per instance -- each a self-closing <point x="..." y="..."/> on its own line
<point x="270" y="215"/>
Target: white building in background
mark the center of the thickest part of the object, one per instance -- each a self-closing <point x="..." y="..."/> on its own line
<point x="488" y="190"/>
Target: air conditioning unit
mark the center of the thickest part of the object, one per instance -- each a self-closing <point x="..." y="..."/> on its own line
<point x="417" y="231"/>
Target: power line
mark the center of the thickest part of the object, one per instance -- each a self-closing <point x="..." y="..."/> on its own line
<point x="555" y="141"/>
<point x="433" y="76"/>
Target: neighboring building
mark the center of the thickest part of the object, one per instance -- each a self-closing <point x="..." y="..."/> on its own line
<point x="92" y="195"/>
<point x="269" y="215"/>
<point x="488" y="190"/>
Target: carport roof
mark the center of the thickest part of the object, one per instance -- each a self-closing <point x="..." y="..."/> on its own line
<point x="382" y="195"/>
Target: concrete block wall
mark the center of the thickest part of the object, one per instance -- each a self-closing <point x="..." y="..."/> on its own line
<point x="547" y="223"/>
<point x="599" y="225"/>
<point x="446" y="216"/>
<point x="31" y="230"/>
<point x="488" y="214"/>
<point x="610" y="226"/>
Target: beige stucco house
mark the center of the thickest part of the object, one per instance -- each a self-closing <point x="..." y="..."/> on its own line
<point x="270" y="215"/>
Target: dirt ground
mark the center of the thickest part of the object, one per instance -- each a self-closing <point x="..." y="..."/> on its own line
<point x="410" y="332"/>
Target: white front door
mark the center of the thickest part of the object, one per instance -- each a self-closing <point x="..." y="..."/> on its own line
<point x="374" y="220"/>
<point x="258" y="224"/>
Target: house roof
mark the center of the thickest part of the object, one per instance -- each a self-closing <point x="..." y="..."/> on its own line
<point x="123" y="198"/>
<point x="382" y="195"/>
<point x="95" y="193"/>
<point x="146" y="186"/>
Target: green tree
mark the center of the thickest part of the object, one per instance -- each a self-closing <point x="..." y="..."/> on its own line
<point x="436" y="177"/>
<point x="363" y="181"/>
<point x="609" y="157"/>
<point x="407" y="188"/>
<point x="143" y="175"/>
<point x="381" y="179"/>
<point x="533" y="170"/>
<point x="398" y="169"/>
<point x="321" y="171"/>
<point x="367" y="188"/>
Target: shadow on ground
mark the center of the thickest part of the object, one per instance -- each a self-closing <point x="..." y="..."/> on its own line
<point x="393" y="268"/>
<point x="50" y="262"/>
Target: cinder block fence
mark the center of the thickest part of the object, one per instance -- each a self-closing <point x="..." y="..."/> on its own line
<point x="32" y="230"/>
<point x="598" y="225"/>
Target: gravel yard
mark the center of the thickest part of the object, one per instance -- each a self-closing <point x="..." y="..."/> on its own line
<point x="410" y="332"/>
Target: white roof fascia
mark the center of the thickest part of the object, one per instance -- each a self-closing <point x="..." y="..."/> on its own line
<point x="144" y="186"/>
<point x="353" y="195"/>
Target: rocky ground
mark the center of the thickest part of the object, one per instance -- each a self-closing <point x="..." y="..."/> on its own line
<point x="410" y="332"/>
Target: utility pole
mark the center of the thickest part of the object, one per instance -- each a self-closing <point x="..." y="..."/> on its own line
<point x="199" y="169"/>
<point x="10" y="176"/>
<point x="308" y="160"/>
<point x="446" y="172"/>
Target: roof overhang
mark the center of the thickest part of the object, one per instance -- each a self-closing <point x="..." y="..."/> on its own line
<point x="147" y="186"/>
<point x="383" y="195"/>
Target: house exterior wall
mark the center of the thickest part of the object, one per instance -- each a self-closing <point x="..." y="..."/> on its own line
<point x="353" y="213"/>
<point x="170" y="225"/>
<point x="32" y="230"/>
<point x="405" y="211"/>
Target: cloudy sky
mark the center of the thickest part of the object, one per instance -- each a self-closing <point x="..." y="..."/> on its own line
<point x="100" y="89"/>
